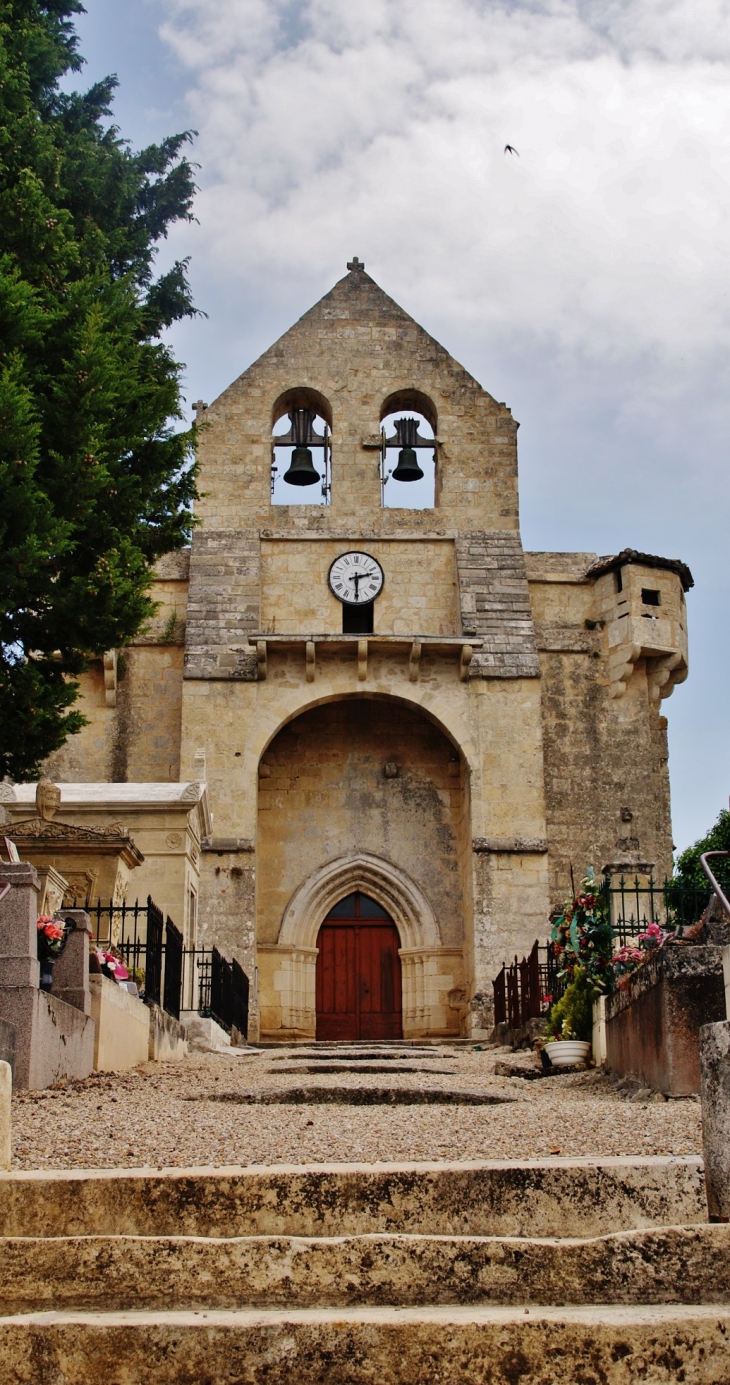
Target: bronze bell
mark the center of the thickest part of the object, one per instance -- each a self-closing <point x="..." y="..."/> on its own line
<point x="407" y="468"/>
<point x="406" y="431"/>
<point x="301" y="468"/>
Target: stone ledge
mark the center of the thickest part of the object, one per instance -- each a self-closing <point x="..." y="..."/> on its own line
<point x="645" y="1266"/>
<point x="228" y="845"/>
<point x="519" y="846"/>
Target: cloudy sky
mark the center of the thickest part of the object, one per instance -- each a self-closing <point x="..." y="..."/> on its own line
<point x="585" y="281"/>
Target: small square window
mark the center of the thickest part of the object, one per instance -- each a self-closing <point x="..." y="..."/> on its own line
<point x="650" y="598"/>
<point x="357" y="620"/>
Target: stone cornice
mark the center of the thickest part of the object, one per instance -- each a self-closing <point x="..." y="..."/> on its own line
<point x="521" y="846"/>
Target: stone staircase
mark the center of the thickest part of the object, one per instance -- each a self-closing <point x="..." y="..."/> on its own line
<point x="588" y="1272"/>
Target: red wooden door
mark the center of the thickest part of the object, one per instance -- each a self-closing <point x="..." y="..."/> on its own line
<point x="358" y="973"/>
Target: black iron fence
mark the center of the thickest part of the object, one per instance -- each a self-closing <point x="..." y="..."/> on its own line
<point x="224" y="992"/>
<point x="167" y="973"/>
<point x="635" y="903"/>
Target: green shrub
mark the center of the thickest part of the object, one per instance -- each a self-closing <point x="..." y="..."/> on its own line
<point x="571" y="1017"/>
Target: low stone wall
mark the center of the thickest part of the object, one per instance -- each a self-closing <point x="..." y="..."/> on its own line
<point x="122" y="1027"/>
<point x="653" y="1024"/>
<point x="168" y="1041"/>
<point x="56" y="1043"/>
<point x="203" y="1033"/>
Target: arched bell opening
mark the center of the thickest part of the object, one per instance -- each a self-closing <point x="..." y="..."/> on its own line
<point x="408" y="452"/>
<point x="358" y="973"/>
<point x="301" y="449"/>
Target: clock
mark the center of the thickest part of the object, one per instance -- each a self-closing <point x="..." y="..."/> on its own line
<point x="356" y="578"/>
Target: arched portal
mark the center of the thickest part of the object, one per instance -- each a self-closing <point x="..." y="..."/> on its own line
<point x="358" y="972"/>
<point x="361" y="795"/>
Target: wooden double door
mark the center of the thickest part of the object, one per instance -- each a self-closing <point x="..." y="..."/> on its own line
<point x="358" y="973"/>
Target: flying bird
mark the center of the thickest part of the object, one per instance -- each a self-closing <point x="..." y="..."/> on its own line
<point x="508" y="149"/>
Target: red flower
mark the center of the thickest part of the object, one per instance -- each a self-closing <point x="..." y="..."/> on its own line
<point x="49" y="928"/>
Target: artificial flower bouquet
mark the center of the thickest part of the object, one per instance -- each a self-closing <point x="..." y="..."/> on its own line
<point x="582" y="936"/>
<point x="582" y="939"/>
<point x="628" y="958"/>
<point x="51" y="940"/>
<point x="110" y="964"/>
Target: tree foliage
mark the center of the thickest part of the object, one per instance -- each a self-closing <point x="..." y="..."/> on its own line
<point x="688" y="870"/>
<point x="95" y="483"/>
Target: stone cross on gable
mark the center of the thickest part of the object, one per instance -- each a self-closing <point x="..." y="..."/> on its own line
<point x="354" y="263"/>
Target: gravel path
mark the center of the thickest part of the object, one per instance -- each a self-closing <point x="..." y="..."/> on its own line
<point x="159" y="1115"/>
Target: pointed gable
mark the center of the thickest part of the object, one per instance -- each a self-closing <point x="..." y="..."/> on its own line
<point x="356" y="356"/>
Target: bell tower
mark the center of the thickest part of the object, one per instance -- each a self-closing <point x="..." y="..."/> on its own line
<point x="361" y="667"/>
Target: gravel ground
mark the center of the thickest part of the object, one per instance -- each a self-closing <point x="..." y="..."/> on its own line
<point x="158" y="1116"/>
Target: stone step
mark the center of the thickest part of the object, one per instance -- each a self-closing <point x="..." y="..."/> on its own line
<point x="359" y="1055"/>
<point x="689" y="1264"/>
<point x="341" y="1095"/>
<point x="449" y="1345"/>
<point x="368" y="1068"/>
<point x="547" y="1197"/>
<point x="350" y="1044"/>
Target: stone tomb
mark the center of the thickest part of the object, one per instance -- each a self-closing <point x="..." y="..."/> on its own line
<point x="118" y="842"/>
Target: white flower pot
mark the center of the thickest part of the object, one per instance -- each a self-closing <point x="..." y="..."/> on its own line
<point x="563" y="1052"/>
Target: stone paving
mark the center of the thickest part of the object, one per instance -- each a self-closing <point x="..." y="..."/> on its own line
<point x="194" y="1113"/>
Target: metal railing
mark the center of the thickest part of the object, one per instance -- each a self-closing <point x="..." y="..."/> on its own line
<point x="717" y="887"/>
<point x="167" y="973"/>
<point x="524" y="990"/>
<point x="224" y="992"/>
<point x="634" y="904"/>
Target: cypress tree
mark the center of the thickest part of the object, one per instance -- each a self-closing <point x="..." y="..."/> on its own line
<point x="96" y="477"/>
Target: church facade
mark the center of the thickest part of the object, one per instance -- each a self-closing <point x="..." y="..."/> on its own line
<point x="409" y="728"/>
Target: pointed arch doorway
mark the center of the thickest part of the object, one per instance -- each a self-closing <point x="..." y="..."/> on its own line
<point x="358" y="974"/>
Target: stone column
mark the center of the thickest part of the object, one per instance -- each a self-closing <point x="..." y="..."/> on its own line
<point x="715" y="1071"/>
<point x="19" y="969"/>
<point x="71" y="972"/>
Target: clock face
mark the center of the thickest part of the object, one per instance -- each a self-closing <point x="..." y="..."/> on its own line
<point x="356" y="578"/>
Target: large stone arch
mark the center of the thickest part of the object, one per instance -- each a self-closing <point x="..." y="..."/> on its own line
<point x="447" y="709"/>
<point x="333" y="819"/>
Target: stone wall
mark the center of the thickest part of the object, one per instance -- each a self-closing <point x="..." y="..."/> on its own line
<point x="133" y="727"/>
<point x="653" y="1023"/>
<point x="419" y="594"/>
<point x="325" y="794"/>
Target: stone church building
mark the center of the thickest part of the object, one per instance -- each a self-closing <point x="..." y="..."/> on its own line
<point x="408" y="727"/>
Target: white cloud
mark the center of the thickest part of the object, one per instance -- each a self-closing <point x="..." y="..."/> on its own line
<point x="328" y="128"/>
